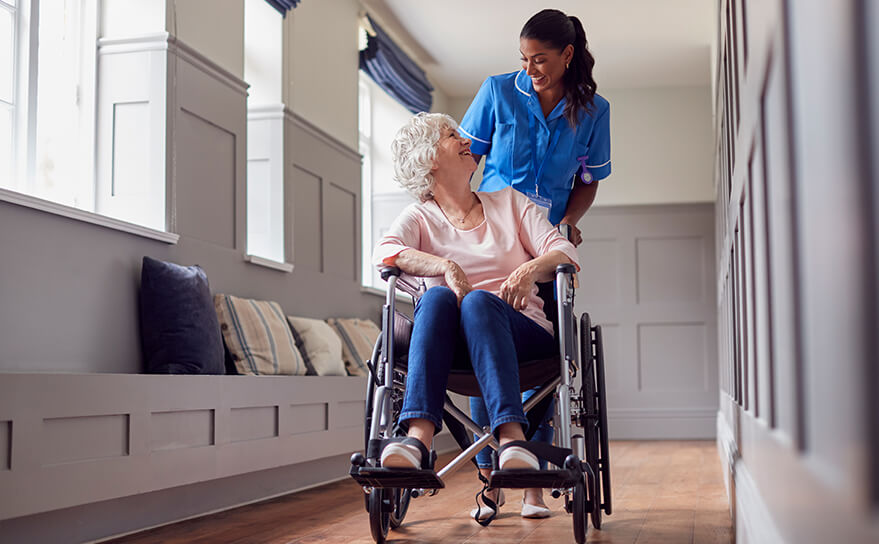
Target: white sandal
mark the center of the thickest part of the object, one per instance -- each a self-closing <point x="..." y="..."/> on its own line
<point x="486" y="512"/>
<point x="534" y="511"/>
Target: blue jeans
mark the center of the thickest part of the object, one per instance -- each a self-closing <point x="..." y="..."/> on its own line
<point x="485" y="329"/>
<point x="544" y="432"/>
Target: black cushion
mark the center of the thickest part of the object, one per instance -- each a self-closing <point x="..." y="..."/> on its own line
<point x="179" y="330"/>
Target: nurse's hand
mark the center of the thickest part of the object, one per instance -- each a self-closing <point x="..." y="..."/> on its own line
<point x="516" y="289"/>
<point x="457" y="280"/>
<point x="575" y="237"/>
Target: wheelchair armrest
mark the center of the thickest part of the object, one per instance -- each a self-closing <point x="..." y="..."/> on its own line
<point x="388" y="271"/>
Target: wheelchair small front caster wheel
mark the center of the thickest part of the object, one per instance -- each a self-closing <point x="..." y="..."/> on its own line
<point x="578" y="512"/>
<point x="379" y="516"/>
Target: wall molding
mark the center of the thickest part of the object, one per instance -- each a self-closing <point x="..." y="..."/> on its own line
<point x="266" y="111"/>
<point x="165" y="41"/>
<point x="317" y="132"/>
<point x="753" y="523"/>
<point x="661" y="424"/>
<point x="658" y="413"/>
<point x="206" y="65"/>
<point x="637" y="209"/>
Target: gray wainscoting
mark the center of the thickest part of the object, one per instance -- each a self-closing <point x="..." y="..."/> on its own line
<point x="130" y="434"/>
<point x="648" y="279"/>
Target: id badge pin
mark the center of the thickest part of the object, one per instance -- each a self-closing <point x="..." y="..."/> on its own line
<point x="539" y="199"/>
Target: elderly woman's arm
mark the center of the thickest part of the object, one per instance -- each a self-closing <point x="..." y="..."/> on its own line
<point x="516" y="290"/>
<point x="419" y="263"/>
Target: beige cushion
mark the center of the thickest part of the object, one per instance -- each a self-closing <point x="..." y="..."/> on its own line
<point x="258" y="337"/>
<point x="358" y="338"/>
<point x="319" y="345"/>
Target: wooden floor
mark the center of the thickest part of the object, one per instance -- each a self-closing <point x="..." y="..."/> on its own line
<point x="664" y="492"/>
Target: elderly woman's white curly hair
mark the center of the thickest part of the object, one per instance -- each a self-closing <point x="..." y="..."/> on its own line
<point x="414" y="152"/>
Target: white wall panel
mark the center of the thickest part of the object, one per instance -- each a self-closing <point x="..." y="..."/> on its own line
<point x="131" y="132"/>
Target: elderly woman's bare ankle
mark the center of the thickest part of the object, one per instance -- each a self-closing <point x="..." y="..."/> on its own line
<point x="508" y="432"/>
<point x="423" y="430"/>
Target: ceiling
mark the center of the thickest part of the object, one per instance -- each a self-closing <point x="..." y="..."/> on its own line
<point x="636" y="43"/>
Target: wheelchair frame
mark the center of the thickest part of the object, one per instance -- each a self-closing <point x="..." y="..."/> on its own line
<point x="584" y="478"/>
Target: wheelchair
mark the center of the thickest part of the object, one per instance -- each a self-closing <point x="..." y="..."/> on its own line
<point x="579" y="461"/>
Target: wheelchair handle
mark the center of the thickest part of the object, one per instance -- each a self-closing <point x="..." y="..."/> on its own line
<point x="388" y="271"/>
<point x="565" y="268"/>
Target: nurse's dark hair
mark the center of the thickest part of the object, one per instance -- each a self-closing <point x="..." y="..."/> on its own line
<point x="553" y="27"/>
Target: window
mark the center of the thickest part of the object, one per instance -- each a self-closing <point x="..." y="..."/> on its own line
<point x="7" y="88"/>
<point x="263" y="47"/>
<point x="48" y="99"/>
<point x="380" y="117"/>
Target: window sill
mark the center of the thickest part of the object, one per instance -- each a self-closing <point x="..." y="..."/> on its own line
<point x="401" y="297"/>
<point x="70" y="212"/>
<point x="269" y="263"/>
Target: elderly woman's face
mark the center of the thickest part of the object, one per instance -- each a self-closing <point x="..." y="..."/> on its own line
<point x="453" y="154"/>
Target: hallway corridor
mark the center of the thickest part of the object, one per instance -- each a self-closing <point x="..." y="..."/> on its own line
<point x="667" y="492"/>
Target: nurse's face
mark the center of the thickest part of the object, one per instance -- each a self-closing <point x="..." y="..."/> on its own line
<point x="453" y="154"/>
<point x="544" y="64"/>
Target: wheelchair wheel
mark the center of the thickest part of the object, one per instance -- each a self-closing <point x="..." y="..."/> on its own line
<point x="592" y="448"/>
<point x="604" y="452"/>
<point x="578" y="511"/>
<point x="379" y="517"/>
<point x="400" y="502"/>
<point x="590" y="419"/>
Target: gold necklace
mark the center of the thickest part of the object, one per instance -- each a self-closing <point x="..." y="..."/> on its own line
<point x="466" y="215"/>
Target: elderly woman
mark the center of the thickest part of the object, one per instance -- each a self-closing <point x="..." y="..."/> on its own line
<point x="480" y="255"/>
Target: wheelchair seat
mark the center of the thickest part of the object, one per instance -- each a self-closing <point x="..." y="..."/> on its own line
<point x="532" y="373"/>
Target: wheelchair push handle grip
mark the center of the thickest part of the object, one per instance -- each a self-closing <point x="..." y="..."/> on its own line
<point x="565" y="268"/>
<point x="389" y="271"/>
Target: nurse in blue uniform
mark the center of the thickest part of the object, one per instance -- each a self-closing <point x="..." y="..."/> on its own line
<point x="545" y="131"/>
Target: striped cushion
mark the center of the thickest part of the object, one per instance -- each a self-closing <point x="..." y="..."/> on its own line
<point x="258" y="337"/>
<point x="358" y="338"/>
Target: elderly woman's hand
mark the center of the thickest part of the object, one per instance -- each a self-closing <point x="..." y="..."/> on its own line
<point x="457" y="280"/>
<point x="516" y="289"/>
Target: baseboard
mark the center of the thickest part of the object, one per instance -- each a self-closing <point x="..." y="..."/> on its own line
<point x="661" y="424"/>
<point x="753" y="523"/>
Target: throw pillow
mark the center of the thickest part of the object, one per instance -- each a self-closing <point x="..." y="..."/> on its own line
<point x="319" y="345"/>
<point x="178" y="326"/>
<point x="358" y="339"/>
<point x="258" y="336"/>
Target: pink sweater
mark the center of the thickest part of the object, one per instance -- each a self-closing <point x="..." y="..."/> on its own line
<point x="514" y="232"/>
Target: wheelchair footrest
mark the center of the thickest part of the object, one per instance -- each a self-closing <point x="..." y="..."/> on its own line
<point x="406" y="478"/>
<point x="526" y="478"/>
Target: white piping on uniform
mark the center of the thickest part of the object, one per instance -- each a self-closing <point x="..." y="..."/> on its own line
<point x="597" y="165"/>
<point x="472" y="137"/>
<point x="516" y="83"/>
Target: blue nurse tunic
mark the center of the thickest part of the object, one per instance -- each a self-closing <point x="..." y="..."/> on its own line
<point x="537" y="155"/>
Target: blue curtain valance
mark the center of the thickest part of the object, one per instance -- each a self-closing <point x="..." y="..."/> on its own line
<point x="283" y="5"/>
<point x="395" y="72"/>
